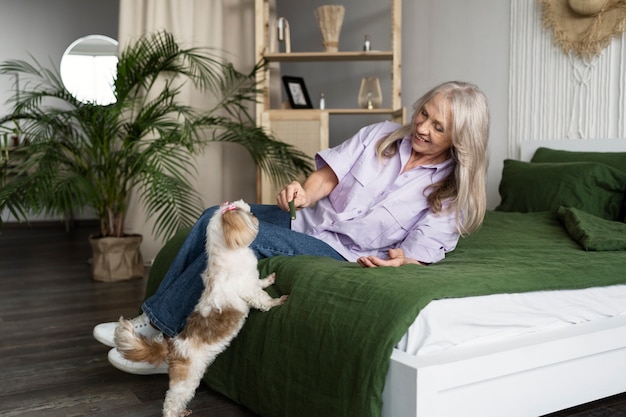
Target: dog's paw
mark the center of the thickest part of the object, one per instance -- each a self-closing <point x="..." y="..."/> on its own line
<point x="283" y="299"/>
<point x="185" y="413"/>
<point x="268" y="280"/>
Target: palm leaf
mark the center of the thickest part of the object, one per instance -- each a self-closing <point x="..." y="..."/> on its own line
<point x="84" y="154"/>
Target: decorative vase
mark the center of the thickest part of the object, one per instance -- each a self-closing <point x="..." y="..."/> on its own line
<point x="116" y="258"/>
<point x="370" y="96"/>
<point x="330" y="19"/>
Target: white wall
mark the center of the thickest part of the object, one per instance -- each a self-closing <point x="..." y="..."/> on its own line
<point x="45" y="28"/>
<point x="442" y="40"/>
<point x="464" y="40"/>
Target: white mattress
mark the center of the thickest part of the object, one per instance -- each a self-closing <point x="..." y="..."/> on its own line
<point x="447" y="323"/>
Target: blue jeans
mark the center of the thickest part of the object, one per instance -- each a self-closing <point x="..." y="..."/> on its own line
<point x="182" y="285"/>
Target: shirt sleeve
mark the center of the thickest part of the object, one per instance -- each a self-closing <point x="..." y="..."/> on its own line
<point x="435" y="235"/>
<point x="342" y="157"/>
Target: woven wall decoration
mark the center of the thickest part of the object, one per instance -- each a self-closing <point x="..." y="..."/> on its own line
<point x="557" y="96"/>
<point x="584" y="27"/>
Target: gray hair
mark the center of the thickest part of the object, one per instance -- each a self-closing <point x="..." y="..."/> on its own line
<point x="464" y="191"/>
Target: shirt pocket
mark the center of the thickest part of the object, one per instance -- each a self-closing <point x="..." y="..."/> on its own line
<point x="351" y="188"/>
<point x="389" y="224"/>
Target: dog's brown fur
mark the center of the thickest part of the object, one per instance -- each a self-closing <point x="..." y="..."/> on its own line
<point x="232" y="286"/>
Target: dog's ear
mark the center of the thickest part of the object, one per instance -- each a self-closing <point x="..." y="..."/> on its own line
<point x="239" y="228"/>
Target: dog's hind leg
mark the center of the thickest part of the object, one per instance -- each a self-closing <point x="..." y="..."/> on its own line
<point x="184" y="379"/>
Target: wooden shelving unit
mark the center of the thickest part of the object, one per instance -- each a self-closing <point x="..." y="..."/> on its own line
<point x="328" y="56"/>
<point x="288" y="125"/>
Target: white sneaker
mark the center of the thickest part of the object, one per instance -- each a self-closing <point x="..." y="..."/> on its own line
<point x="137" y="368"/>
<point x="105" y="332"/>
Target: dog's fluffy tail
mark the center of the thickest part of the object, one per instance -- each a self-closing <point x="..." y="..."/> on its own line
<point x="138" y="348"/>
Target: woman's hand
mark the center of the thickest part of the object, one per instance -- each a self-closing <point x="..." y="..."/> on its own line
<point x="317" y="186"/>
<point x="396" y="258"/>
<point x="291" y="192"/>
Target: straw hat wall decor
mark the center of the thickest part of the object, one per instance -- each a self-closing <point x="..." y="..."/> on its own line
<point x="584" y="27"/>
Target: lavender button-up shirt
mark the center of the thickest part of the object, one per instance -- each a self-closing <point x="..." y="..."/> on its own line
<point x="375" y="207"/>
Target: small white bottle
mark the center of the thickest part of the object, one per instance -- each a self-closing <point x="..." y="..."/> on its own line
<point x="322" y="101"/>
<point x="367" y="46"/>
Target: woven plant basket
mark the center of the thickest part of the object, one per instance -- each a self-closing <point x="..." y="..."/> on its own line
<point x="116" y="258"/>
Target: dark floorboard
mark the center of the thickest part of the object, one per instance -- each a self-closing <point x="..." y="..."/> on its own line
<point x="51" y="366"/>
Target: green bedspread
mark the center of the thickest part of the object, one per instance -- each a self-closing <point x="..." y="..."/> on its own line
<point x="327" y="350"/>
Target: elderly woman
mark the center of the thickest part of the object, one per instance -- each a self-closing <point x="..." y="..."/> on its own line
<point x="388" y="196"/>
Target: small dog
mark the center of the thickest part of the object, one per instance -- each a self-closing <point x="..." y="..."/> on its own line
<point x="232" y="286"/>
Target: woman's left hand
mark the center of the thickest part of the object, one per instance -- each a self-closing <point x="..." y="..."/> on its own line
<point x="396" y="258"/>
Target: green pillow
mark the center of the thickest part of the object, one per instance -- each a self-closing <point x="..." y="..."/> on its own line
<point x="615" y="159"/>
<point x="595" y="188"/>
<point x="591" y="232"/>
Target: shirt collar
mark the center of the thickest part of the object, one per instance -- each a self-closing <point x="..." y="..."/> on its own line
<point x="405" y="150"/>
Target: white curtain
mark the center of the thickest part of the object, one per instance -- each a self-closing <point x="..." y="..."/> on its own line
<point x="558" y="96"/>
<point x="224" y="171"/>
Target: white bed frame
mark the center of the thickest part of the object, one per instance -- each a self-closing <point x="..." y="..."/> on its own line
<point x="532" y="375"/>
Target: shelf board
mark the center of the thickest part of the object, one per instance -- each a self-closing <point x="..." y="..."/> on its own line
<point x="342" y="111"/>
<point x="328" y="56"/>
<point x="361" y="111"/>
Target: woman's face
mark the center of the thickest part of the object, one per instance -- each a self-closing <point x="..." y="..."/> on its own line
<point x="432" y="134"/>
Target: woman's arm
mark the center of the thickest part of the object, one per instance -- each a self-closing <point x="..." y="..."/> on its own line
<point x="396" y="258"/>
<point x="432" y="238"/>
<point x="317" y="186"/>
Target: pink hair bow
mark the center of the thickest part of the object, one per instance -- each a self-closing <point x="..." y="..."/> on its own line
<point x="228" y="207"/>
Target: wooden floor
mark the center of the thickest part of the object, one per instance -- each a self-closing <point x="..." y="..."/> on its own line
<point x="49" y="363"/>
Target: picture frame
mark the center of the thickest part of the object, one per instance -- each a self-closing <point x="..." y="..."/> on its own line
<point x="296" y="92"/>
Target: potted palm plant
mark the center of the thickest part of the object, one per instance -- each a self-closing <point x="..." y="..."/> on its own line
<point x="89" y="155"/>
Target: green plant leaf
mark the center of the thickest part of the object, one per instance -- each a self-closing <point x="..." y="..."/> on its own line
<point x="88" y="155"/>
